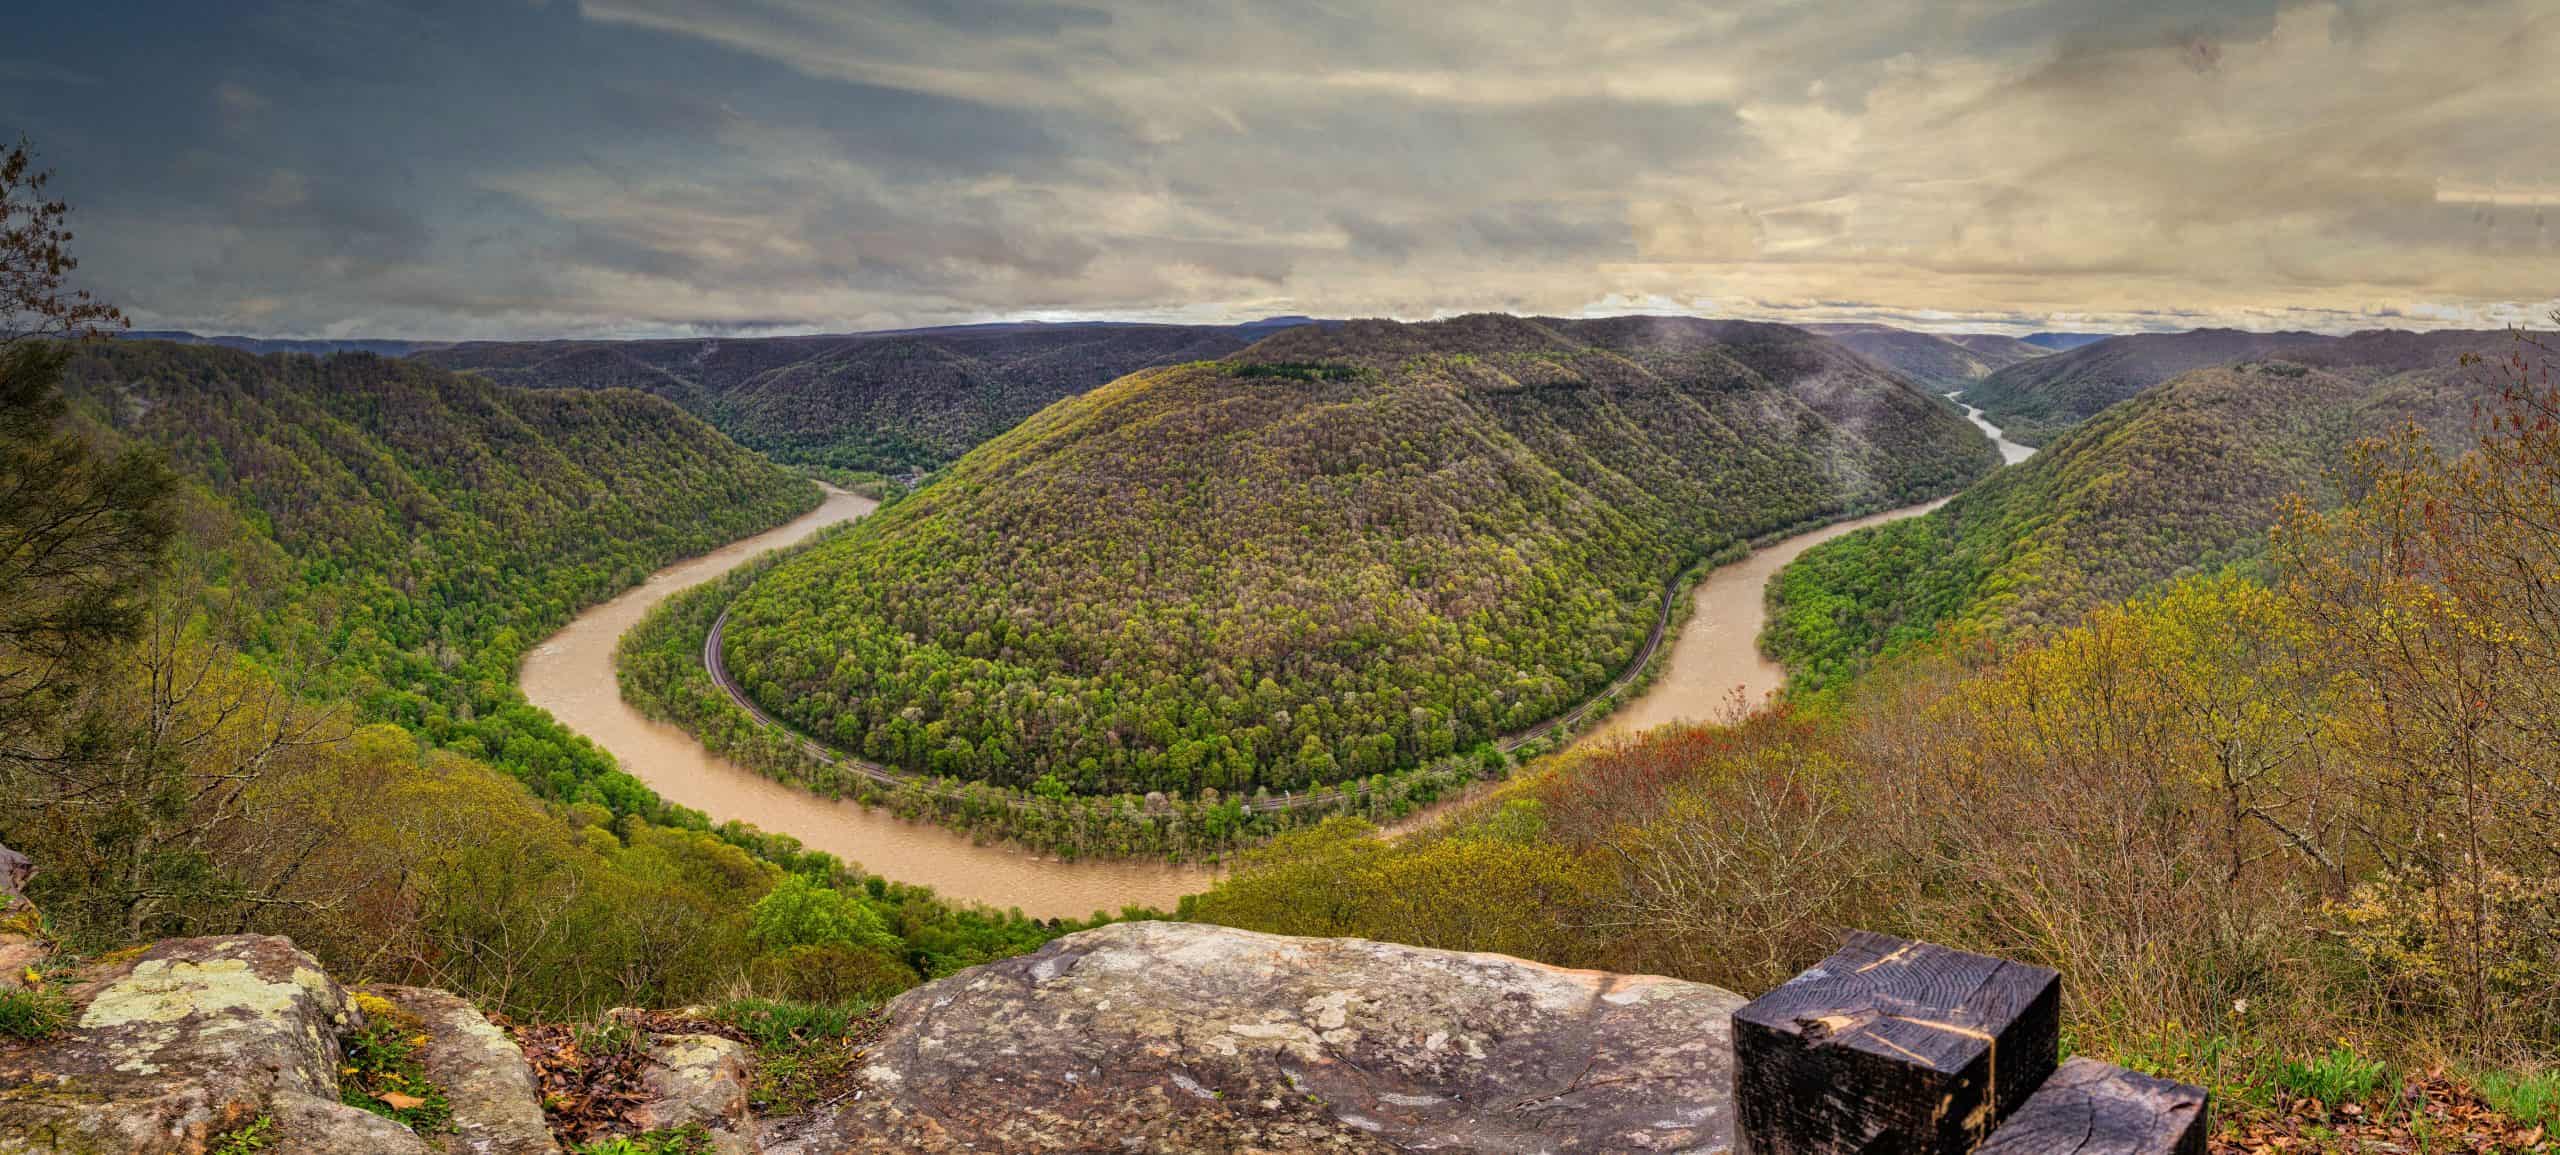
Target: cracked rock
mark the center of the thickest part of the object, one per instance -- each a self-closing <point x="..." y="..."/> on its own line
<point x="1175" y="1037"/>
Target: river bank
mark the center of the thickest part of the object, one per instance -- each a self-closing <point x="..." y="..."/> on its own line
<point x="571" y="675"/>
<point x="1714" y="658"/>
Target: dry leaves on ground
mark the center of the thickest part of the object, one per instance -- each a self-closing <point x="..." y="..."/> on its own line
<point x="2431" y="1115"/>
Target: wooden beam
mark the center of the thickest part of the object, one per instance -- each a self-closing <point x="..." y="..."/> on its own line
<point x="1892" y="1046"/>
<point x="2094" y="1108"/>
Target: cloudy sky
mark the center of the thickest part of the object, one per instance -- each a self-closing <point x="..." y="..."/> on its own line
<point x="515" y="167"/>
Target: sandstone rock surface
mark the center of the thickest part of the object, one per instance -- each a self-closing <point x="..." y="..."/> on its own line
<point x="496" y="1110"/>
<point x="699" y="1079"/>
<point x="1172" y="1037"/>
<point x="177" y="1043"/>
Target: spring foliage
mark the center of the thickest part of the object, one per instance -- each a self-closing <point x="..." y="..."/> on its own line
<point x="2244" y="816"/>
<point x="1348" y="552"/>
<point x="2184" y="479"/>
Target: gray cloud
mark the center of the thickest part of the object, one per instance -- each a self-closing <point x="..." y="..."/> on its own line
<point x="497" y="167"/>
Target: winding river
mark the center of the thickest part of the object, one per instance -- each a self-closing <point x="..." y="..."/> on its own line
<point x="571" y="675"/>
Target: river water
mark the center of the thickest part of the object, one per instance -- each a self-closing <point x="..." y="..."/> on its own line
<point x="1716" y="660"/>
<point x="571" y="675"/>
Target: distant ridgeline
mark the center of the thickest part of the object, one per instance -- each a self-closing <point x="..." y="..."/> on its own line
<point x="1338" y="553"/>
<point x="877" y="402"/>
<point x="396" y="535"/>
<point x="2182" y="478"/>
<point x="1942" y="362"/>
<point x="2034" y="401"/>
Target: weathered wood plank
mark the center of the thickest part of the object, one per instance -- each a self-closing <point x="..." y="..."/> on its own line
<point x="1892" y="1046"/>
<point x="2094" y="1108"/>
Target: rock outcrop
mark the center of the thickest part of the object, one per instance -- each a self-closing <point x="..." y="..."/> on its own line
<point x="1172" y="1037"/>
<point x="177" y="1044"/>
<point x="495" y="1108"/>
<point x="699" y="1079"/>
<point x="1139" y="1037"/>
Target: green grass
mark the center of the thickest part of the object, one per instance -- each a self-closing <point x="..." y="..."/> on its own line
<point x="248" y="1139"/>
<point x="2337" y="1078"/>
<point x="689" y="1139"/>
<point x="2527" y="1099"/>
<point x="383" y="1072"/>
<point x="802" y="1049"/>
<point x="33" y="1014"/>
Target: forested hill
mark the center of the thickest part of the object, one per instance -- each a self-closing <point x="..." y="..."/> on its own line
<point x="2183" y="478"/>
<point x="1342" y="551"/>
<point x="1941" y="362"/>
<point x="398" y="534"/>
<point x="2035" y="400"/>
<point x="875" y="402"/>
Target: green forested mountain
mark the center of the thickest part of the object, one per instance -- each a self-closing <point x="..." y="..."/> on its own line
<point x="2182" y="478"/>
<point x="1342" y="551"/>
<point x="397" y="534"/>
<point x="2033" y="401"/>
<point x="211" y="554"/>
<point x="1942" y="362"/>
<point x="876" y="402"/>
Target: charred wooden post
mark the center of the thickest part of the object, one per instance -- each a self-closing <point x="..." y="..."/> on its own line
<point x="1891" y="1046"/>
<point x="2094" y="1108"/>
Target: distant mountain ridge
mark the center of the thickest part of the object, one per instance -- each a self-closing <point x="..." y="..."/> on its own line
<point x="2062" y="341"/>
<point x="1943" y="362"/>
<point x="887" y="402"/>
<point x="264" y="345"/>
<point x="2036" y="400"/>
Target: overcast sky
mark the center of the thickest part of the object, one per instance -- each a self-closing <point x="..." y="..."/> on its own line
<point x="520" y="168"/>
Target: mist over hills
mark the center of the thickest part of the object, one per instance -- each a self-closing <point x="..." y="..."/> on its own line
<point x="1336" y="552"/>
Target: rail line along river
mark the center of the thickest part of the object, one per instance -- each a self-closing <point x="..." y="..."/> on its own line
<point x="571" y="675"/>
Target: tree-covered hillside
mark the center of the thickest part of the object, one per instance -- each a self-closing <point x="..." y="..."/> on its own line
<point x="2183" y="478"/>
<point x="1343" y="551"/>
<point x="2033" y="401"/>
<point x="396" y="535"/>
<point x="1942" y="362"/>
<point x="877" y="402"/>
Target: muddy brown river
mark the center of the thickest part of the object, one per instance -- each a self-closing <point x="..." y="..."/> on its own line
<point x="571" y="675"/>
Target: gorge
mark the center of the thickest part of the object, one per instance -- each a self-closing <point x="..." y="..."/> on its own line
<point x="1711" y="658"/>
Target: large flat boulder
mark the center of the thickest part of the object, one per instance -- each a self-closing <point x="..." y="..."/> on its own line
<point x="177" y="1044"/>
<point x="1174" y="1037"/>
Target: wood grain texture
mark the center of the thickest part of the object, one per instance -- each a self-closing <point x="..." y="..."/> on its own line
<point x="2094" y="1108"/>
<point x="1893" y="1046"/>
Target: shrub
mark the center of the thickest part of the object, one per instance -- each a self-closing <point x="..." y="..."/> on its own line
<point x="2335" y="1079"/>
<point x="384" y="1074"/>
<point x="804" y="1051"/>
<point x="690" y="1139"/>
<point x="249" y="1138"/>
<point x="2533" y="1100"/>
<point x="33" y="1014"/>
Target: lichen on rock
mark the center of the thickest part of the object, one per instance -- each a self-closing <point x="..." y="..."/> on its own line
<point x="1171" y="1037"/>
